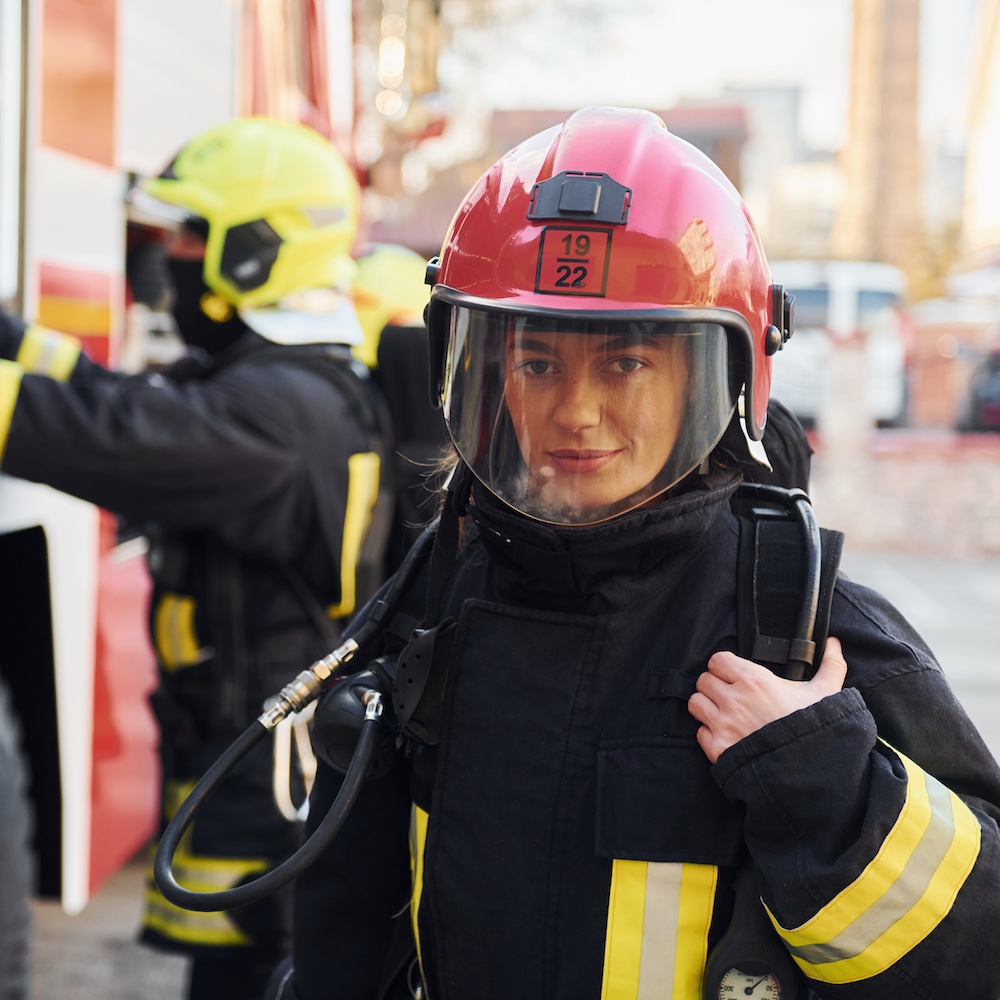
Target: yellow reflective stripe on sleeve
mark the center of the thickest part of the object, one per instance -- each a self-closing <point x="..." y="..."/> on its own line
<point x="10" y="387"/>
<point x="658" y="920"/>
<point x="362" y="492"/>
<point x="418" y="838"/>
<point x="174" y="633"/>
<point x="901" y="896"/>
<point x="48" y="352"/>
<point x="201" y="874"/>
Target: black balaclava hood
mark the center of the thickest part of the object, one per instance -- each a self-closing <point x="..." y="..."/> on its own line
<point x="194" y="326"/>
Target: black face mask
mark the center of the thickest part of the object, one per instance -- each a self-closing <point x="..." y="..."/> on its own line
<point x="197" y="329"/>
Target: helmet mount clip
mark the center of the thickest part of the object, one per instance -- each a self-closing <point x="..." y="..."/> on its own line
<point x="782" y="320"/>
<point x="773" y="341"/>
<point x="590" y="197"/>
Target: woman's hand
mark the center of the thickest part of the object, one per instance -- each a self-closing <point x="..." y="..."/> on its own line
<point x="736" y="697"/>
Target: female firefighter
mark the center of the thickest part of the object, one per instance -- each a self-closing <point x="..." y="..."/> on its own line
<point x="567" y="808"/>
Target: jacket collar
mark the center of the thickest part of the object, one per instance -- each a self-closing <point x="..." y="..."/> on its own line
<point x="603" y="567"/>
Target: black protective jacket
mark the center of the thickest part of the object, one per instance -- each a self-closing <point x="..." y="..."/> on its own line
<point x="569" y="839"/>
<point x="247" y="454"/>
<point x="237" y="469"/>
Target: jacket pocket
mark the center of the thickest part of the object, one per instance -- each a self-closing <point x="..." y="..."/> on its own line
<point x="657" y="801"/>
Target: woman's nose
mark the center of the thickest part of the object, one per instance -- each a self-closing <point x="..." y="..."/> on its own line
<point x="579" y="404"/>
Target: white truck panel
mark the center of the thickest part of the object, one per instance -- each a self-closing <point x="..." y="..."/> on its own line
<point x="178" y="68"/>
<point x="71" y="531"/>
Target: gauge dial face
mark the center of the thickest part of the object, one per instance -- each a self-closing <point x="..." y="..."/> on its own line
<point x="739" y="985"/>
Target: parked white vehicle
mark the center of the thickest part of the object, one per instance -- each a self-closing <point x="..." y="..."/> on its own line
<point x="837" y="300"/>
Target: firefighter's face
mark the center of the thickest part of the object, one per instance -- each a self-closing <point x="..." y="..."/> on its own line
<point x="204" y="319"/>
<point x="596" y="415"/>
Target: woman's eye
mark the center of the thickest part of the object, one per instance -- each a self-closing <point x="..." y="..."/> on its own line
<point x="627" y="365"/>
<point x="535" y="366"/>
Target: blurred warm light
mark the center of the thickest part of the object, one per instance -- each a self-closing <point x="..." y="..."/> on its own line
<point x="393" y="25"/>
<point x="389" y="103"/>
<point x="391" y="62"/>
<point x="947" y="345"/>
<point x="415" y="173"/>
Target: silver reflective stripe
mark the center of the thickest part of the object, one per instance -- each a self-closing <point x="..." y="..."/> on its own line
<point x="660" y="925"/>
<point x="902" y="895"/>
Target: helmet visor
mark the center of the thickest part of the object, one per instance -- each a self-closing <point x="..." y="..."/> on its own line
<point x="574" y="422"/>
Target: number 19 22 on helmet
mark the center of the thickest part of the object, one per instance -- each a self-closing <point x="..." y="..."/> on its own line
<point x="611" y="226"/>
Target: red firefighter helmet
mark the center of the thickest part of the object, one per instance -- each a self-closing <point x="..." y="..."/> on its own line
<point x="607" y="225"/>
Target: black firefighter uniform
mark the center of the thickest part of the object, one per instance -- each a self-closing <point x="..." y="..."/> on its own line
<point x="253" y="479"/>
<point x="568" y="838"/>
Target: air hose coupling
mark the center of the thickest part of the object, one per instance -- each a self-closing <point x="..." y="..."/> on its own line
<point x="307" y="685"/>
<point x="373" y="705"/>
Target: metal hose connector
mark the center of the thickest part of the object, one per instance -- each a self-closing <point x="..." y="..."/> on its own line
<point x="307" y="686"/>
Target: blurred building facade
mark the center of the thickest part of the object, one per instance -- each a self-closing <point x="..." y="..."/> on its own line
<point x="959" y="327"/>
<point x="718" y="128"/>
<point x="880" y="216"/>
<point x="981" y="217"/>
<point x="792" y="191"/>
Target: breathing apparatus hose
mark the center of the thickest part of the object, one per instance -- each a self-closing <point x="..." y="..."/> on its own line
<point x="305" y="688"/>
<point x="274" y="879"/>
<point x="806" y="625"/>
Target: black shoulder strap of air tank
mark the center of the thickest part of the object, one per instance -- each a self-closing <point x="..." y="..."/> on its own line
<point x="770" y="571"/>
<point x="364" y="398"/>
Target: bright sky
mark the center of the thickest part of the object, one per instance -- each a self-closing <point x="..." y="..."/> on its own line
<point x="650" y="53"/>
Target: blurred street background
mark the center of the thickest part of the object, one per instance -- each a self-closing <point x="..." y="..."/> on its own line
<point x="864" y="136"/>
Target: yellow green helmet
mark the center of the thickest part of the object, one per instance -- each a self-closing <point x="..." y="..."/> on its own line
<point x="281" y="205"/>
<point x="388" y="287"/>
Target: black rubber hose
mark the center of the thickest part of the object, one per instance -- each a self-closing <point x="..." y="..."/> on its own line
<point x="806" y="624"/>
<point x="264" y="885"/>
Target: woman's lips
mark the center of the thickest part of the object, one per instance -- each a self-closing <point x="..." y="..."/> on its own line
<point x="590" y="460"/>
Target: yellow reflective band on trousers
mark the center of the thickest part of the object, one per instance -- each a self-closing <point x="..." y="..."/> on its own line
<point x="10" y="387"/>
<point x="362" y="492"/>
<point x="903" y="894"/>
<point x="418" y="838"/>
<point x="659" y="915"/>
<point x="173" y="632"/>
<point x="48" y="352"/>
<point x="200" y="874"/>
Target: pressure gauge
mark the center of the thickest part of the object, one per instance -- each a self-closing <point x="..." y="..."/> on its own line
<point x="737" y="984"/>
<point x="749" y="962"/>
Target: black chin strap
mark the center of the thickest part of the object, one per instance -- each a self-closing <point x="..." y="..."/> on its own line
<point x="446" y="543"/>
